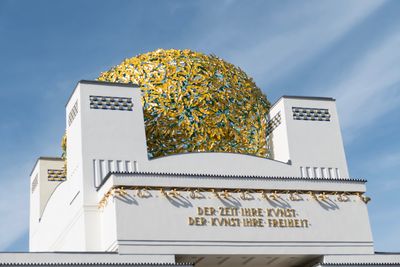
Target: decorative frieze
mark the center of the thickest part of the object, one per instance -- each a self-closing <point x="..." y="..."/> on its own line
<point x="311" y="114"/>
<point x="234" y="194"/>
<point x="111" y="103"/>
<point x="56" y="175"/>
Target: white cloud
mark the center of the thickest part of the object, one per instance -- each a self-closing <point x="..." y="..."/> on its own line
<point x="388" y="241"/>
<point x="370" y="89"/>
<point x="299" y="33"/>
<point x="384" y="166"/>
<point x="303" y="31"/>
<point x="384" y="161"/>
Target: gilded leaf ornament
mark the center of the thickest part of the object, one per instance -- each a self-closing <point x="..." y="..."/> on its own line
<point x="194" y="102"/>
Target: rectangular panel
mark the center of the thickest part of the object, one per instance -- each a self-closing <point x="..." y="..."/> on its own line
<point x="149" y="220"/>
<point x="56" y="175"/>
<point x="111" y="103"/>
<point x="311" y="114"/>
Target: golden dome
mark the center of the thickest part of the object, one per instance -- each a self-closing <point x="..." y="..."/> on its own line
<point x="196" y="103"/>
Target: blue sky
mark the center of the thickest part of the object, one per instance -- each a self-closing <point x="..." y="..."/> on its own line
<point x="349" y="50"/>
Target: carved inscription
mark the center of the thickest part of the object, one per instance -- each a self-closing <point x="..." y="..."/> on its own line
<point x="247" y="217"/>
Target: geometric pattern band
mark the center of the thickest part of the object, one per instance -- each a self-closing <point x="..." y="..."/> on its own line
<point x="72" y="114"/>
<point x="111" y="103"/>
<point x="56" y="175"/>
<point x="273" y="123"/>
<point x="311" y="114"/>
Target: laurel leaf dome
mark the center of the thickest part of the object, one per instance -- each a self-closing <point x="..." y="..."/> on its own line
<point x="194" y="102"/>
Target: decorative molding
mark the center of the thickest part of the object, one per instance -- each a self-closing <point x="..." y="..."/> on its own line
<point x="311" y="114"/>
<point x="235" y="176"/>
<point x="101" y="168"/>
<point x="320" y="172"/>
<point x="228" y="193"/>
<point x="72" y="114"/>
<point x="56" y="175"/>
<point x="111" y="103"/>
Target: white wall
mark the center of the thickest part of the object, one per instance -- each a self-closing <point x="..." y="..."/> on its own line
<point x="314" y="146"/>
<point x="41" y="195"/>
<point x="100" y="141"/>
<point x="111" y="136"/>
<point x="159" y="225"/>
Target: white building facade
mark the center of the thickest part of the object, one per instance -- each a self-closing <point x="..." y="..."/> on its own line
<point x="116" y="206"/>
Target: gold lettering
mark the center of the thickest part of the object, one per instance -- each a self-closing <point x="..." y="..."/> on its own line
<point x="209" y="211"/>
<point x="252" y="212"/>
<point x="304" y="223"/>
<point x="198" y="221"/>
<point x="247" y="217"/>
<point x="269" y="212"/>
<point x="200" y="211"/>
<point x="223" y="211"/>
<point x="253" y="222"/>
<point x="206" y="211"/>
<point x="232" y="222"/>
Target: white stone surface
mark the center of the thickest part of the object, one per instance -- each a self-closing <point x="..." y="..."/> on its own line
<point x="161" y="224"/>
<point x="42" y="195"/>
<point x="100" y="141"/>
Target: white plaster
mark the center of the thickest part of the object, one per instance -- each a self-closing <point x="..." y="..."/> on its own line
<point x="100" y="141"/>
